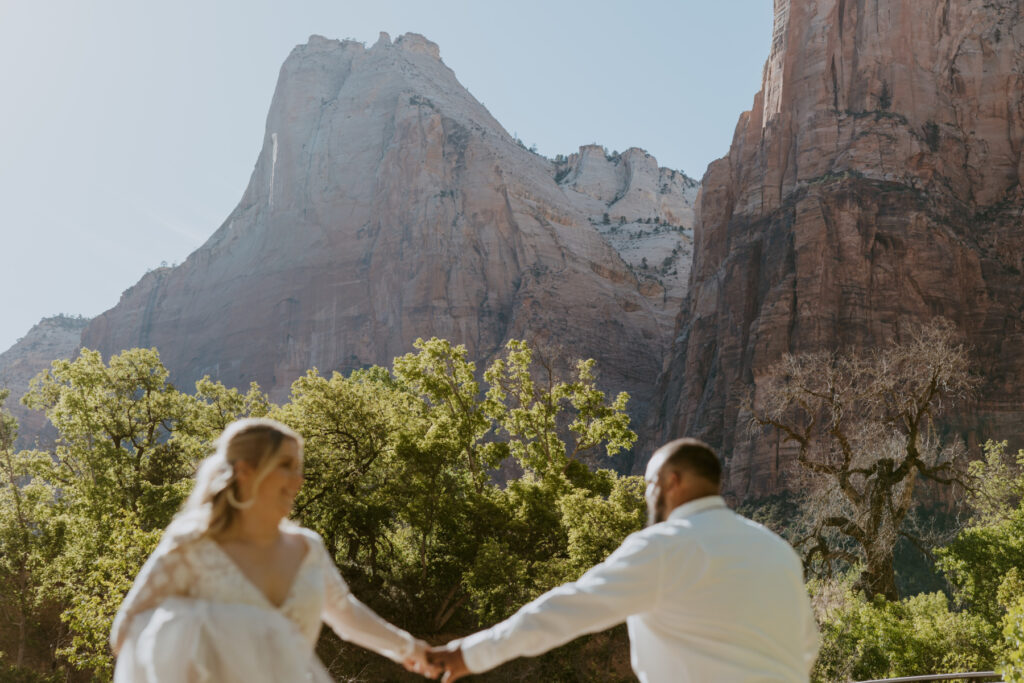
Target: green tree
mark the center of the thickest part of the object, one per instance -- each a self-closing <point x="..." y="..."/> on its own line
<point x="597" y="524"/>
<point x="979" y="560"/>
<point x="442" y="377"/>
<point x="123" y="462"/>
<point x="402" y="480"/>
<point x="985" y="563"/>
<point x="350" y="425"/>
<point x="997" y="483"/>
<point x="1012" y="667"/>
<point x="121" y="474"/>
<point x="28" y="543"/>
<point x="866" y="639"/>
<point x="395" y="475"/>
<point x="529" y="404"/>
<point x="216" y="406"/>
<point x="118" y="447"/>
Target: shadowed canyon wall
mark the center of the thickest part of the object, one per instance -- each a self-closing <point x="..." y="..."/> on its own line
<point x="875" y="181"/>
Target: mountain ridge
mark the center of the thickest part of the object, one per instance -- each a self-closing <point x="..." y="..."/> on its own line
<point x="387" y="204"/>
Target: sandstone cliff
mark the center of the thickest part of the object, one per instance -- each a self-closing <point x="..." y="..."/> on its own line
<point x="645" y="212"/>
<point x="388" y="204"/>
<point x="50" y="339"/>
<point x="876" y="180"/>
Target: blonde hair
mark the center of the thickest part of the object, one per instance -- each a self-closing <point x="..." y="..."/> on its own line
<point x="212" y="505"/>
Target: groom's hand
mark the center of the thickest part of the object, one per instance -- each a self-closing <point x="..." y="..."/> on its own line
<point x="449" y="657"/>
<point x="417" y="661"/>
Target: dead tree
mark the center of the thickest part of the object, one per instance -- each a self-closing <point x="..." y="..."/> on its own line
<point x="865" y="432"/>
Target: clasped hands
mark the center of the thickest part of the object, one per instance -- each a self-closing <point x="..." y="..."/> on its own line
<point x="435" y="661"/>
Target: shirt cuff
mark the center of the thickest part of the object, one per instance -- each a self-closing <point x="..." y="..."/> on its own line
<point x="407" y="649"/>
<point x="479" y="652"/>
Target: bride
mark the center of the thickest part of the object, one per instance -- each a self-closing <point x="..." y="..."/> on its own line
<point x="235" y="592"/>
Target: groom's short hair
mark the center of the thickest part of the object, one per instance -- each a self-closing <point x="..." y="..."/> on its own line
<point x="695" y="456"/>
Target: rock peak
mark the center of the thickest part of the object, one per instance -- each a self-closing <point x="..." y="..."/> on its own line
<point x="414" y="42"/>
<point x="411" y="43"/>
<point x="318" y="41"/>
<point x="388" y="204"/>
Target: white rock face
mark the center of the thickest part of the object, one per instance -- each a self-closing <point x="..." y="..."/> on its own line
<point x="388" y="204"/>
<point x="645" y="212"/>
<point x="629" y="185"/>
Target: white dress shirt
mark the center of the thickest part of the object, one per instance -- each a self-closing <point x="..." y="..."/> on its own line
<point x="707" y="595"/>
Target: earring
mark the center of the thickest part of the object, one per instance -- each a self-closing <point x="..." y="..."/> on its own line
<point x="235" y="503"/>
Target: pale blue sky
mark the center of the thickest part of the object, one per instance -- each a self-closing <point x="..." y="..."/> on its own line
<point x="130" y="127"/>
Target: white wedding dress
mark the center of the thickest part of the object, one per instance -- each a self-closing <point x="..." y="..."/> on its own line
<point x="192" y="616"/>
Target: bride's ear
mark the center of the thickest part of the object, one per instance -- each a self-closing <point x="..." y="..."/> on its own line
<point x="243" y="472"/>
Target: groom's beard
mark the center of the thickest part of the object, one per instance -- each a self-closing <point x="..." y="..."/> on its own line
<point x="656" y="510"/>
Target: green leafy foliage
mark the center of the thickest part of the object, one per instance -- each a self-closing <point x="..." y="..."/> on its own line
<point x="998" y="482"/>
<point x="448" y="496"/>
<point x="980" y="558"/>
<point x="977" y="627"/>
<point x="118" y="448"/>
<point x="1012" y="667"/>
<point x="527" y="400"/>
<point x="988" y="551"/>
<point x="409" y="480"/>
<point x="864" y="639"/>
<point x="29" y="541"/>
<point x="399" y="479"/>
<point x="121" y="467"/>
<point x="93" y="574"/>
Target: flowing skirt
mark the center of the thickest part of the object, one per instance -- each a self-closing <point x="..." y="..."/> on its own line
<point x="198" y="641"/>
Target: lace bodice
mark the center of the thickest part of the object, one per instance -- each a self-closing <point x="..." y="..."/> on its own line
<point x="201" y="570"/>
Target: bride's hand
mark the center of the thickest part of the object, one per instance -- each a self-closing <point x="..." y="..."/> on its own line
<point x="417" y="661"/>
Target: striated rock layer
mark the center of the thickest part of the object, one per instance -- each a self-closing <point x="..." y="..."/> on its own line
<point x="50" y="339"/>
<point x="387" y="204"/>
<point x="876" y="180"/>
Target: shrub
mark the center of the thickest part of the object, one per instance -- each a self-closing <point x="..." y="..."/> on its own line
<point x="1012" y="667"/>
<point x="918" y="635"/>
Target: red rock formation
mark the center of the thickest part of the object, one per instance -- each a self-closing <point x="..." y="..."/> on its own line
<point x="876" y="180"/>
<point x="50" y="339"/>
<point x="387" y="204"/>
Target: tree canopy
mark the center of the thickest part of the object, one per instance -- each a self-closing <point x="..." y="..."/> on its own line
<point x="447" y="495"/>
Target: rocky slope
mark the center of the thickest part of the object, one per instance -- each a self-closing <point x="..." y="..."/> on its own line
<point x="645" y="212"/>
<point x="387" y="204"/>
<point x="50" y="339"/>
<point x="876" y="180"/>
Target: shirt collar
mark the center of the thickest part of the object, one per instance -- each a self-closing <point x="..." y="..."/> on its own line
<point x="699" y="505"/>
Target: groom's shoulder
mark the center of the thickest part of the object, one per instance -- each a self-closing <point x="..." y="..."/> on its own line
<point x="681" y="531"/>
<point x="662" y="534"/>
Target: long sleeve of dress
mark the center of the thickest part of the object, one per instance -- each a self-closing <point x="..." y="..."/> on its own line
<point x="165" y="574"/>
<point x="355" y="622"/>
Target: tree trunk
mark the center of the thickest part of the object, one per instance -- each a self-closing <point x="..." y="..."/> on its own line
<point x="878" y="577"/>
<point x="19" y="660"/>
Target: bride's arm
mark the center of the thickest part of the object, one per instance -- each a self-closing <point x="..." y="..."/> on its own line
<point x="163" y="575"/>
<point x="355" y="622"/>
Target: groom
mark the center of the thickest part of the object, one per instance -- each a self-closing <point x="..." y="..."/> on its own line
<point x="707" y="594"/>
